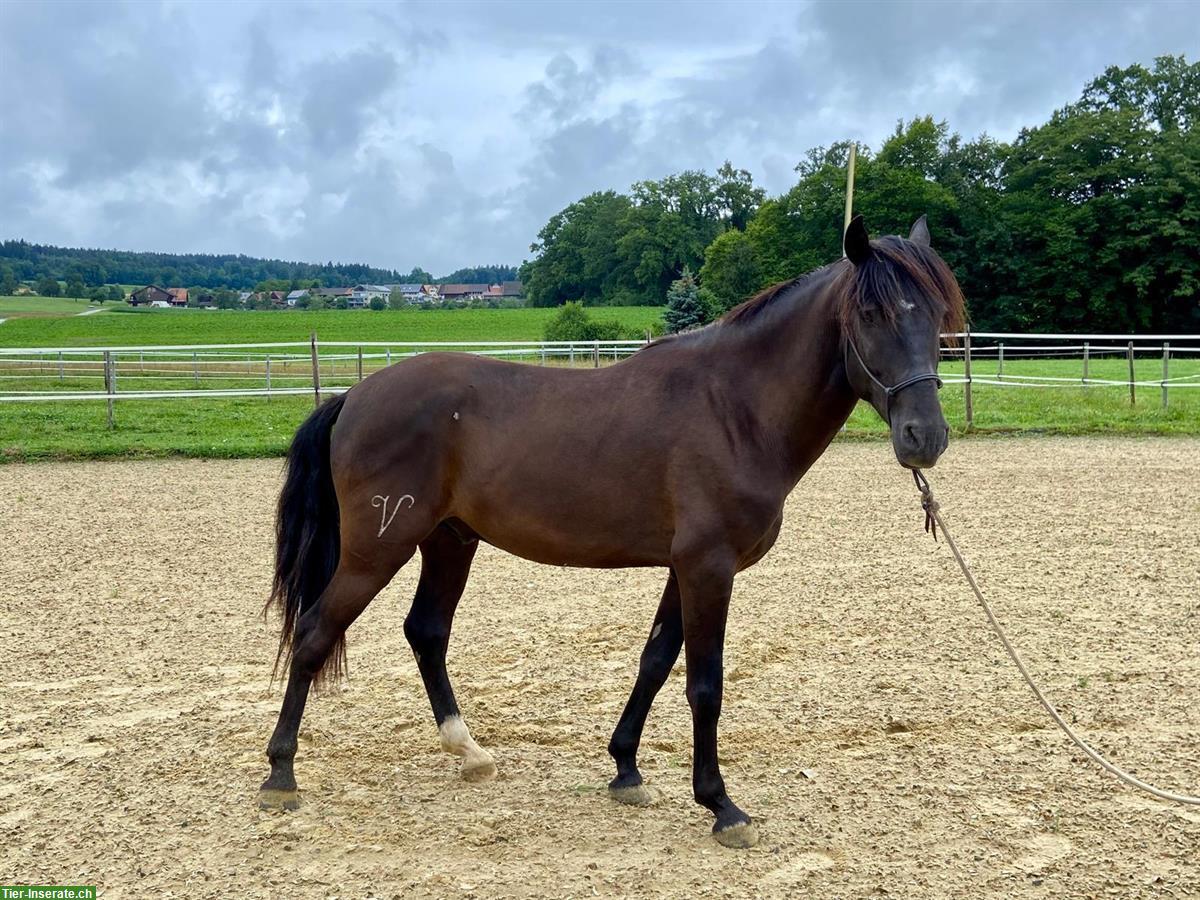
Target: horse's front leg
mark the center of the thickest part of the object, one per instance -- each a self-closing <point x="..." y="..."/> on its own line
<point x="659" y="655"/>
<point x="705" y="583"/>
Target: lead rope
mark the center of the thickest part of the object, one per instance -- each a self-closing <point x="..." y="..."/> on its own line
<point x="933" y="521"/>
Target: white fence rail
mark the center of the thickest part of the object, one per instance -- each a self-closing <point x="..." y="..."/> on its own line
<point x="1093" y="361"/>
<point x="269" y="369"/>
<point x="280" y="369"/>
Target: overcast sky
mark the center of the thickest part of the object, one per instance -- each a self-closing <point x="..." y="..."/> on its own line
<point x="445" y="134"/>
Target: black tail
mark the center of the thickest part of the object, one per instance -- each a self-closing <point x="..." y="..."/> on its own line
<point x="307" y="533"/>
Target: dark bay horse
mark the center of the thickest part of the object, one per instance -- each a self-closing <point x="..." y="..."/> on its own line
<point x="681" y="457"/>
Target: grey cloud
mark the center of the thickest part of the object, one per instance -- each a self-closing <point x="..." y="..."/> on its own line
<point x="103" y="109"/>
<point x="340" y="96"/>
<point x="849" y="72"/>
<point x="445" y="134"/>
<point x="262" y="64"/>
<point x="569" y="89"/>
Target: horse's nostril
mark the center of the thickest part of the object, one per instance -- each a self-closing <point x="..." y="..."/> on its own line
<point x="910" y="435"/>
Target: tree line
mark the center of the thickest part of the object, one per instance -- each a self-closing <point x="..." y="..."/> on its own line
<point x="21" y="261"/>
<point x="1090" y="221"/>
<point x="626" y="249"/>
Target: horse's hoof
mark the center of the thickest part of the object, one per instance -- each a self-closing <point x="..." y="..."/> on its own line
<point x="741" y="836"/>
<point x="274" y="798"/>
<point x="476" y="770"/>
<point x="633" y="795"/>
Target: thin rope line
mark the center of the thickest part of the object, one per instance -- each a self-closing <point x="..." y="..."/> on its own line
<point x="933" y="521"/>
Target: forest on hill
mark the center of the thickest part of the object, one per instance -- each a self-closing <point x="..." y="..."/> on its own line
<point x="1090" y="221"/>
<point x="23" y="261"/>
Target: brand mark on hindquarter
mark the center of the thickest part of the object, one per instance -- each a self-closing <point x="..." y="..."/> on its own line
<point x="380" y="502"/>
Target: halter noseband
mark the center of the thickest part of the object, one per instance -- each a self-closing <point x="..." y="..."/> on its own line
<point x="889" y="392"/>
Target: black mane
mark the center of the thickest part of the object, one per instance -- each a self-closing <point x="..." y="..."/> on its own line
<point x="897" y="272"/>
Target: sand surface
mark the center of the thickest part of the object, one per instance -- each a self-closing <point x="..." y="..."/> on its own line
<point x="871" y="724"/>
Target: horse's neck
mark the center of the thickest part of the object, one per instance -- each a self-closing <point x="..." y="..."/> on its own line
<point x="789" y="360"/>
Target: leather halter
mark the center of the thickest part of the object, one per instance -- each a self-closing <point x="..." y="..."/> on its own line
<point x="890" y="392"/>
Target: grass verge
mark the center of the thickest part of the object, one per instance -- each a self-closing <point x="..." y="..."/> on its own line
<point x="249" y="427"/>
<point x="125" y="326"/>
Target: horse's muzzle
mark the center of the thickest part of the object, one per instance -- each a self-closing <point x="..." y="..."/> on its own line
<point x="919" y="444"/>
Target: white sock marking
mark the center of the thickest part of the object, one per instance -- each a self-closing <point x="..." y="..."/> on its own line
<point x="456" y="739"/>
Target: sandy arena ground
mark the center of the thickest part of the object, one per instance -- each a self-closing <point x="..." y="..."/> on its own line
<point x="872" y="725"/>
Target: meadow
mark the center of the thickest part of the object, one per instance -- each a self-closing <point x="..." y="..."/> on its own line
<point x="37" y="307"/>
<point x="121" y="325"/>
<point x="257" y="426"/>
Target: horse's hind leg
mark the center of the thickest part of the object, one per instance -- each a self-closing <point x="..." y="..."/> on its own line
<point x="445" y="565"/>
<point x="318" y="631"/>
<point x="659" y="655"/>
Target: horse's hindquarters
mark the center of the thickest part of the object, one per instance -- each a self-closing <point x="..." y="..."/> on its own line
<point x="552" y="466"/>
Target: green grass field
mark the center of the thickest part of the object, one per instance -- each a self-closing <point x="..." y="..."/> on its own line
<point x="233" y="427"/>
<point x="1067" y="408"/>
<point x="124" y="326"/>
<point x="239" y="427"/>
<point x="39" y="307"/>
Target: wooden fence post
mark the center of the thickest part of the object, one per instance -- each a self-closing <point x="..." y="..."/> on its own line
<point x="316" y="372"/>
<point x="596" y="355"/>
<point x="195" y="369"/>
<point x="1086" y="350"/>
<point x="572" y="351"/>
<point x="1166" y="371"/>
<point x="1132" y="392"/>
<point x="60" y="365"/>
<point x="360" y="363"/>
<point x="109" y="383"/>
<point x="268" y="377"/>
<point x="970" y="407"/>
<point x="389" y="356"/>
<point x="1000" y="367"/>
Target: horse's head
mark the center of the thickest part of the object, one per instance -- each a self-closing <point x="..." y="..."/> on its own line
<point x="897" y="297"/>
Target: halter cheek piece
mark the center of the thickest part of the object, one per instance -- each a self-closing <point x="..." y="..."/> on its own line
<point x="890" y="392"/>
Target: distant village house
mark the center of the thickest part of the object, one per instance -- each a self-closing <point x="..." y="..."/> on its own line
<point x="362" y="294"/>
<point x="412" y="293"/>
<point x="463" y="291"/>
<point x="480" y="291"/>
<point x="153" y="295"/>
<point x="356" y="297"/>
<point x="332" y="295"/>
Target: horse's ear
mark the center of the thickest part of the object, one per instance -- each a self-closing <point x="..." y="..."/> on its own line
<point x="857" y="243"/>
<point x="920" y="232"/>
